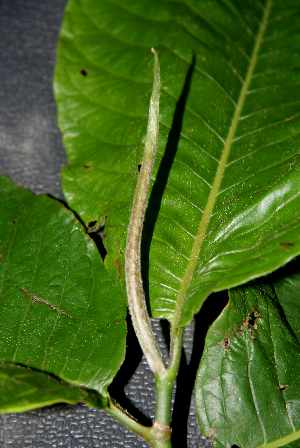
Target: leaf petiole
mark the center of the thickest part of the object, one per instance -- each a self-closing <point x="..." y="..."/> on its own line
<point x="157" y="435"/>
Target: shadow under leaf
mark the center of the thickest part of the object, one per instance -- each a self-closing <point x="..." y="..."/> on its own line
<point x="210" y="310"/>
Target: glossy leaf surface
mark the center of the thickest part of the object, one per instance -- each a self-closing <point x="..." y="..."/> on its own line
<point x="224" y="205"/>
<point x="60" y="311"/>
<point x="23" y="389"/>
<point x="248" y="383"/>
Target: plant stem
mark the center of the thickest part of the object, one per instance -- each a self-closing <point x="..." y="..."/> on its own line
<point x="164" y="388"/>
<point x="134" y="283"/>
<point x="165" y="383"/>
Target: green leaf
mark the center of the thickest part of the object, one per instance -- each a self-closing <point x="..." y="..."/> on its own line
<point x="248" y="383"/>
<point x="61" y="313"/>
<point x="224" y="205"/>
<point x="286" y="284"/>
<point x="23" y="389"/>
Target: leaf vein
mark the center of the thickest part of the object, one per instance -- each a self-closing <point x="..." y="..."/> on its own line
<point x="217" y="182"/>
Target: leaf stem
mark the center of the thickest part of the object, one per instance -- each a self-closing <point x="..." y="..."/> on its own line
<point x="157" y="435"/>
<point x="116" y="411"/>
<point x="175" y="350"/>
<point x="134" y="283"/>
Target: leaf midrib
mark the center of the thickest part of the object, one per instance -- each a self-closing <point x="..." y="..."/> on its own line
<point x="283" y="441"/>
<point x="187" y="278"/>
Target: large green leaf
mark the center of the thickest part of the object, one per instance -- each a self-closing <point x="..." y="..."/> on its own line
<point x="248" y="383"/>
<point x="23" y="389"/>
<point x="224" y="205"/>
<point x="60" y="311"/>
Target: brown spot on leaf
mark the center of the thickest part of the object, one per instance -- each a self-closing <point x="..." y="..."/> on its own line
<point x="38" y="299"/>
<point x="86" y="166"/>
<point x="46" y="302"/>
<point x="118" y="263"/>
<point x="249" y="323"/>
<point x="24" y="290"/>
<point x="226" y="343"/>
<point x="83" y="393"/>
<point x="287" y="244"/>
<point x="213" y="434"/>
<point x="68" y="315"/>
<point x="0" y="257"/>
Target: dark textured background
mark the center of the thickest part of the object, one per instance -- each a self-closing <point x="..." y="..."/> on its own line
<point x="32" y="154"/>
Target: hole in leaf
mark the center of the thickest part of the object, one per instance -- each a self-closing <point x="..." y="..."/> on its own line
<point x="251" y="323"/>
<point x="14" y="221"/>
<point x="84" y="72"/>
<point x="92" y="224"/>
<point x="252" y="319"/>
<point x="235" y="446"/>
<point x="139" y="167"/>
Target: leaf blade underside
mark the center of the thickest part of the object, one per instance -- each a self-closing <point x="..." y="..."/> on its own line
<point x="61" y="312"/>
<point x="23" y="389"/>
<point x="225" y="195"/>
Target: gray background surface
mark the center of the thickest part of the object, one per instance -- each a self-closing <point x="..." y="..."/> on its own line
<point x="32" y="154"/>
